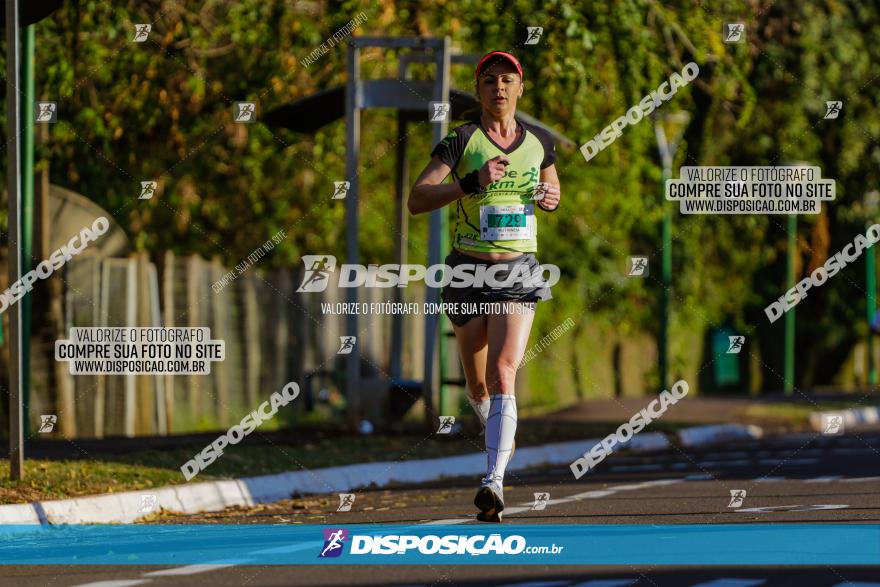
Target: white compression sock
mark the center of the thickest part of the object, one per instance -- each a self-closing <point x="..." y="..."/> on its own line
<point x="500" y="430"/>
<point x="481" y="408"/>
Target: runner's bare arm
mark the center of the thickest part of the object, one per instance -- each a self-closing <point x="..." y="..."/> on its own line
<point x="429" y="192"/>
<point x="551" y="198"/>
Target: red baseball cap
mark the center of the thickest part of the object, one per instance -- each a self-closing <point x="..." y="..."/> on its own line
<point x="501" y="55"/>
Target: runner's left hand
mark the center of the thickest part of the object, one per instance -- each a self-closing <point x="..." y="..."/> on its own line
<point x="551" y="197"/>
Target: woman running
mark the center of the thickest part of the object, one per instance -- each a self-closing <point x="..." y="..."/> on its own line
<point x="497" y="163"/>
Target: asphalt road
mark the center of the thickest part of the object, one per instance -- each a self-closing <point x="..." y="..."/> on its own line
<point x="797" y="478"/>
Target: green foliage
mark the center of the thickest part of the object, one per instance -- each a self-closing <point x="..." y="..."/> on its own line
<point x="162" y="109"/>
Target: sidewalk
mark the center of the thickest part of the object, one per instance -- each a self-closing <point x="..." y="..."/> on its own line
<point x="775" y="413"/>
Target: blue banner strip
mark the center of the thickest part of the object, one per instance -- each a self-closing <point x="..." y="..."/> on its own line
<point x="637" y="544"/>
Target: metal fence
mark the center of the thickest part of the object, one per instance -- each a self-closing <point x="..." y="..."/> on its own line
<point x="273" y="335"/>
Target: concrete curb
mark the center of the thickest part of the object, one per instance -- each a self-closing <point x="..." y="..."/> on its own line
<point x="852" y="418"/>
<point x="212" y="496"/>
<point x="697" y="436"/>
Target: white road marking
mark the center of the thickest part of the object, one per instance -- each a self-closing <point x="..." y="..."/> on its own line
<point x="190" y="569"/>
<point x="793" y="508"/>
<point x="115" y="583"/>
<point x="859" y="479"/>
<point x="596" y="493"/>
<point x="825" y="479"/>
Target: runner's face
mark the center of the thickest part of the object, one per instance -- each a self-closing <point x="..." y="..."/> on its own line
<point x="499" y="87"/>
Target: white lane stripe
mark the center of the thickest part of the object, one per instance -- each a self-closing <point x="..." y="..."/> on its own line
<point x="725" y="582"/>
<point x="792" y="508"/>
<point x="825" y="479"/>
<point x="596" y="493"/>
<point x="115" y="583"/>
<point x="191" y="569"/>
<point x="860" y="479"/>
<point x="448" y="522"/>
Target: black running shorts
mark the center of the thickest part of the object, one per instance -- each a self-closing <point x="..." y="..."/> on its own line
<point x="470" y="299"/>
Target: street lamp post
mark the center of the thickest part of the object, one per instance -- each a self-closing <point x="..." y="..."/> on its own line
<point x="791" y="251"/>
<point x="668" y="128"/>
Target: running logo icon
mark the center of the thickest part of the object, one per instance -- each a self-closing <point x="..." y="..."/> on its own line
<point x="736" y="344"/>
<point x="439" y="111"/>
<point x="446" y="423"/>
<point x="340" y="189"/>
<point x="638" y="266"/>
<point x="148" y="189"/>
<point x="346" y="345"/>
<point x="541" y="500"/>
<point x="832" y="424"/>
<point x="733" y="32"/>
<point x="832" y="109"/>
<point x="47" y="112"/>
<point x="318" y="270"/>
<point x="737" y="497"/>
<point x="141" y="32"/>
<point x="346" y="500"/>
<point x="533" y="34"/>
<point x="540" y="191"/>
<point x="245" y="112"/>
<point x="334" y="542"/>
<point x="148" y="503"/>
<point x="47" y="423"/>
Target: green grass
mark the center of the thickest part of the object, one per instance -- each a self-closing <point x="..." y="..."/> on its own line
<point x="60" y="479"/>
<point x="57" y="479"/>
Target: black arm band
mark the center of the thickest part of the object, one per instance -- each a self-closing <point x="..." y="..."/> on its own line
<point x="470" y="183"/>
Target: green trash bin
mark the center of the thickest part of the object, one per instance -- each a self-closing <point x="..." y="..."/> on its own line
<point x="726" y="365"/>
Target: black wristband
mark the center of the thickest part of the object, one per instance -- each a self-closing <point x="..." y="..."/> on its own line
<point x="470" y="183"/>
